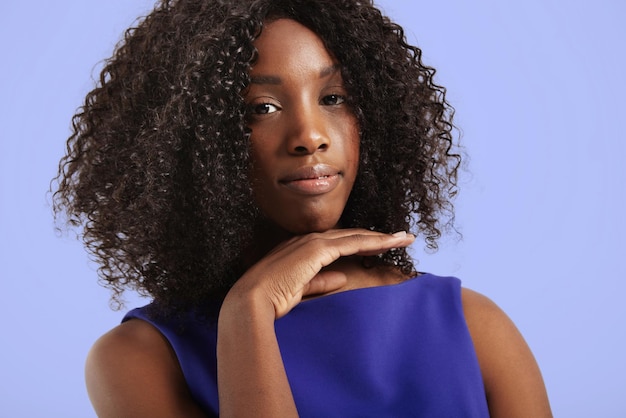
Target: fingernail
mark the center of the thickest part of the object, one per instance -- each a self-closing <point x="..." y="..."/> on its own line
<point x="400" y="234"/>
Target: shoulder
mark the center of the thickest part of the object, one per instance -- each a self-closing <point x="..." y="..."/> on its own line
<point x="512" y="379"/>
<point x="132" y="370"/>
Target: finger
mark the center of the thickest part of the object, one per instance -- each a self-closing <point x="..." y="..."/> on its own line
<point x="403" y="240"/>
<point x="332" y="234"/>
<point x="300" y="240"/>
<point x="294" y="270"/>
<point x="325" y="282"/>
<point x="360" y="244"/>
<point x="285" y="296"/>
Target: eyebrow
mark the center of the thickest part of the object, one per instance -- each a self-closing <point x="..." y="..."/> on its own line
<point x="272" y="79"/>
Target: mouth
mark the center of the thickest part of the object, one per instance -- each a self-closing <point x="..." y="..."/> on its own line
<point x="312" y="180"/>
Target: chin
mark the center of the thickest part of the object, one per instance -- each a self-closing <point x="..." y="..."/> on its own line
<point x="306" y="226"/>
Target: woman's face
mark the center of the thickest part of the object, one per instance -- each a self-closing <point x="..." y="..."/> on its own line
<point x="305" y="140"/>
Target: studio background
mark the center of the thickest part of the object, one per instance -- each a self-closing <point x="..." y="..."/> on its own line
<point x="538" y="87"/>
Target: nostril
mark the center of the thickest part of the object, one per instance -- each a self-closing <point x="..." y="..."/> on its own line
<point x="310" y="148"/>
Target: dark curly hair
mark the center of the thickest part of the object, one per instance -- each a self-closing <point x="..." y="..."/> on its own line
<point x="156" y="171"/>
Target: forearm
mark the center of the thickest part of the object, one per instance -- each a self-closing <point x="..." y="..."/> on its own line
<point x="252" y="381"/>
<point x="251" y="375"/>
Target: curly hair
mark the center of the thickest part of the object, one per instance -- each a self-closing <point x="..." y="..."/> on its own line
<point x="156" y="170"/>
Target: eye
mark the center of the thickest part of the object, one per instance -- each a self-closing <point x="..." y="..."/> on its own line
<point x="262" y="108"/>
<point x="333" y="99"/>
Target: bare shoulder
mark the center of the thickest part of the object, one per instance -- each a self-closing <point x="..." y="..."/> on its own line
<point x="133" y="371"/>
<point x="513" y="382"/>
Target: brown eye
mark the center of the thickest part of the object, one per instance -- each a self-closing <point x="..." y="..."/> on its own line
<point x="263" y="109"/>
<point x="333" y="99"/>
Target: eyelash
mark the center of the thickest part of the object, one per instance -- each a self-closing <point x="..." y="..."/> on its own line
<point x="338" y="97"/>
<point x="262" y="108"/>
<point x="255" y="109"/>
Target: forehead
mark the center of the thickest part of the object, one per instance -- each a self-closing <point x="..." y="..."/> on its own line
<point x="285" y="44"/>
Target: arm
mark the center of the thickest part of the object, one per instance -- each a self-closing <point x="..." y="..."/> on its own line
<point x="512" y="379"/>
<point x="132" y="371"/>
<point x="250" y="367"/>
<point x="251" y="376"/>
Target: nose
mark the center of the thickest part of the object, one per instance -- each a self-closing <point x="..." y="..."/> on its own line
<point x="308" y="133"/>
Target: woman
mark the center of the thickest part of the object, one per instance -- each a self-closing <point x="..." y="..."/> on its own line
<point x="248" y="164"/>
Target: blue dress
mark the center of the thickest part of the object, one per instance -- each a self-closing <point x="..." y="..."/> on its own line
<point x="400" y="350"/>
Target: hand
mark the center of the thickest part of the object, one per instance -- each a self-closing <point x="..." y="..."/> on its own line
<point x="251" y="373"/>
<point x="294" y="269"/>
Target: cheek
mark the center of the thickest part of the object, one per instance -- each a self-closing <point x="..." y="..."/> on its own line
<point x="352" y="146"/>
<point x="261" y="153"/>
<point x="258" y="172"/>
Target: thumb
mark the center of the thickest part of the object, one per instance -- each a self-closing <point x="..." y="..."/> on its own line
<point x="325" y="282"/>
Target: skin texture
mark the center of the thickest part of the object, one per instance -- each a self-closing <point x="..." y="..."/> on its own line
<point x="133" y="372"/>
<point x="157" y="175"/>
<point x="300" y="121"/>
<point x="512" y="379"/>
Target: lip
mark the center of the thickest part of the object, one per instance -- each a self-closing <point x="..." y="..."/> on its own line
<point x="312" y="180"/>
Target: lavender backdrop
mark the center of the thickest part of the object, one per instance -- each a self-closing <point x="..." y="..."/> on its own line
<point x="539" y="90"/>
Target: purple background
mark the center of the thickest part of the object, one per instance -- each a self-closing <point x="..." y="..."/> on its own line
<point x="539" y="90"/>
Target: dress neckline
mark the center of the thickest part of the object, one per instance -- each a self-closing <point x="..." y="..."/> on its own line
<point x="364" y="290"/>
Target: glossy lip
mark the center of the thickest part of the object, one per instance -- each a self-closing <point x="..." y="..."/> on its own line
<point x="312" y="180"/>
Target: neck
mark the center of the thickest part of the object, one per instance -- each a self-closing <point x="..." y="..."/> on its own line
<point x="266" y="236"/>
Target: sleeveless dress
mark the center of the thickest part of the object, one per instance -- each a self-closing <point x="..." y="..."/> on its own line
<point x="400" y="350"/>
